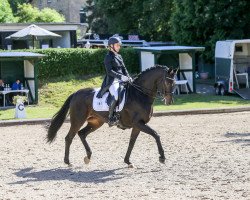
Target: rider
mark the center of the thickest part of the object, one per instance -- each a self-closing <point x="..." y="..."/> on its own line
<point x="116" y="72"/>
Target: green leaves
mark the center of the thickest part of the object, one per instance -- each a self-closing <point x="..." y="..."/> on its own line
<point x="50" y="15"/>
<point x="6" y="15"/>
<point x="28" y="13"/>
<point x="149" y="18"/>
<point x="61" y="62"/>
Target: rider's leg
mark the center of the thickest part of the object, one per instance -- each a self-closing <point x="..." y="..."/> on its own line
<point x="114" y="92"/>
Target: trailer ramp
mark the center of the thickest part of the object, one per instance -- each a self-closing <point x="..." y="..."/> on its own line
<point x="244" y="93"/>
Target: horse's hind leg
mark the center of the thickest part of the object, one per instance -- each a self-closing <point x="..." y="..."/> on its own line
<point x="75" y="126"/>
<point x="68" y="140"/>
<point x="93" y="124"/>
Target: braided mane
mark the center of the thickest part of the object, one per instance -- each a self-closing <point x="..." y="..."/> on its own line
<point x="150" y="69"/>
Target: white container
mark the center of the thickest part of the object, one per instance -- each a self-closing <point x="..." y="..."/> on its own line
<point x="20" y="112"/>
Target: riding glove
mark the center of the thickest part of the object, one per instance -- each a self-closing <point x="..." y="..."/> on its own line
<point x="125" y="78"/>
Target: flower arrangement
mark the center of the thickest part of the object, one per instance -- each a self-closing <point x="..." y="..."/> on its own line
<point x="19" y="99"/>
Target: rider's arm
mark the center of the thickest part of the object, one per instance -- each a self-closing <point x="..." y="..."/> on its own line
<point x="124" y="69"/>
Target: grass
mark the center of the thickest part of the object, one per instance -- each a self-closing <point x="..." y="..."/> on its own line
<point x="201" y="101"/>
<point x="32" y="112"/>
<point x="53" y="93"/>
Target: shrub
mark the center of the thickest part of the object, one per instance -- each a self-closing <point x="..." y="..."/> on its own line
<point x="79" y="61"/>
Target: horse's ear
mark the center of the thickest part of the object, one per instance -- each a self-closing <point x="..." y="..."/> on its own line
<point x="176" y="70"/>
<point x="170" y="69"/>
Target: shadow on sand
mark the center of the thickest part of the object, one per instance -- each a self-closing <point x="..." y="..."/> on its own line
<point x="238" y="138"/>
<point x="95" y="176"/>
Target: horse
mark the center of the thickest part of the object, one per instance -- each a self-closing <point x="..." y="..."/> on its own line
<point x="136" y="113"/>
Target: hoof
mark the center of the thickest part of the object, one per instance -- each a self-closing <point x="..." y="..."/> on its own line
<point x="131" y="166"/>
<point x="66" y="161"/>
<point x="162" y="160"/>
<point x="86" y="160"/>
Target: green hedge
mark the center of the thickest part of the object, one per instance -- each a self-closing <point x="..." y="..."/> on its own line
<point x="79" y="61"/>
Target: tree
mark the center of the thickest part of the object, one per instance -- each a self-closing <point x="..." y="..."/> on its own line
<point x="96" y="18"/>
<point x="27" y="13"/>
<point x="14" y="4"/>
<point x="154" y="23"/>
<point x="204" y="22"/>
<point x="6" y="14"/>
<point x="149" y="18"/>
<point x="50" y="15"/>
<point x="120" y="16"/>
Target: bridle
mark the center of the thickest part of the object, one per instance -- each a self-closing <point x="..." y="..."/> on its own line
<point x="163" y="92"/>
<point x="149" y="92"/>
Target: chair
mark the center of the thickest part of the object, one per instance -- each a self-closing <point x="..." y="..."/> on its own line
<point x="246" y="78"/>
<point x="180" y="83"/>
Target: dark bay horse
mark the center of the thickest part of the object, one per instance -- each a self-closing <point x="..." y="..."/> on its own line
<point x="136" y="113"/>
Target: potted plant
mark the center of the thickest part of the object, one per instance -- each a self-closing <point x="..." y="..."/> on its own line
<point x="203" y="75"/>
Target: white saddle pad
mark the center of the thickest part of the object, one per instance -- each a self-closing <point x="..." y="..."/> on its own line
<point x="101" y="105"/>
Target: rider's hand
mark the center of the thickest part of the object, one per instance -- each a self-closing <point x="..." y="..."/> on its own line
<point x="130" y="79"/>
<point x="125" y="78"/>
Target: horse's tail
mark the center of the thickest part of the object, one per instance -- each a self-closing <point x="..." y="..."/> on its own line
<point x="58" y="120"/>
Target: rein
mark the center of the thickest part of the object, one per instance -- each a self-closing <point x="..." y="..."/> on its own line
<point x="142" y="89"/>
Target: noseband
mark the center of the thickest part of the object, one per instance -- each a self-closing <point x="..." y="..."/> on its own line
<point x="163" y="92"/>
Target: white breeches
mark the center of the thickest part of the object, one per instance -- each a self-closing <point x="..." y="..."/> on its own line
<point x="113" y="89"/>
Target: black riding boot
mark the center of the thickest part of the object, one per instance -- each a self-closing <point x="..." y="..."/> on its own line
<point x="112" y="119"/>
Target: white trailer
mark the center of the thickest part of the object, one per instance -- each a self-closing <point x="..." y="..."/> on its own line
<point x="232" y="67"/>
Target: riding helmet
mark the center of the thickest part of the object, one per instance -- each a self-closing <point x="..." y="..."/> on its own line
<point x="114" y="40"/>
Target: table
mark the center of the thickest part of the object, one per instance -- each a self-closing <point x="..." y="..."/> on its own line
<point x="13" y="91"/>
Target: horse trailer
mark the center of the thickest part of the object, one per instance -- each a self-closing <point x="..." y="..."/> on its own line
<point x="232" y="67"/>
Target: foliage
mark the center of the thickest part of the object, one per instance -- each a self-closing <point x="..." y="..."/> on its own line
<point x="19" y="98"/>
<point x="27" y="13"/>
<point x="149" y="18"/>
<point x="95" y="18"/>
<point x="6" y="15"/>
<point x="205" y="22"/>
<point x="50" y="15"/>
<point x="14" y="4"/>
<point x="59" y="62"/>
<point x="154" y="23"/>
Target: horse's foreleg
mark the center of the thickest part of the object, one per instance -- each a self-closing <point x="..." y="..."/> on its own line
<point x="83" y="133"/>
<point x="146" y="129"/>
<point x="134" y="134"/>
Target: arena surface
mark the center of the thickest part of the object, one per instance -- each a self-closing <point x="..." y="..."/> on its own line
<point x="208" y="157"/>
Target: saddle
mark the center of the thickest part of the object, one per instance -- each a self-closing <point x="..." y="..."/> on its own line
<point x="102" y="104"/>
